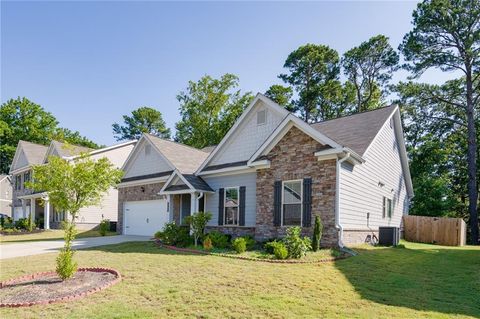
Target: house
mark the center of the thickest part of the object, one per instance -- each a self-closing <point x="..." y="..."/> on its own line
<point x="26" y="202"/>
<point x="5" y="195"/>
<point x="273" y="170"/>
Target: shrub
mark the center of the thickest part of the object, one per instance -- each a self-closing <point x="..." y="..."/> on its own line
<point x="104" y="226"/>
<point x="174" y="235"/>
<point x="317" y="233"/>
<point x="250" y="242"/>
<point x="197" y="222"/>
<point x="219" y="240"/>
<point x="239" y="244"/>
<point x="297" y="246"/>
<point x="207" y="243"/>
<point x="2" y="221"/>
<point x="280" y="251"/>
<point x="270" y="245"/>
<point x="66" y="267"/>
<point x="24" y="223"/>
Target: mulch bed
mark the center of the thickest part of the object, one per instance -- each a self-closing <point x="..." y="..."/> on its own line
<point x="21" y="232"/>
<point x="274" y="261"/>
<point x="47" y="287"/>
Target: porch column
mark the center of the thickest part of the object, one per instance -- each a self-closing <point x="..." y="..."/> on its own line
<point x="46" y="213"/>
<point x="193" y="203"/>
<point x="24" y="209"/>
<point x="32" y="209"/>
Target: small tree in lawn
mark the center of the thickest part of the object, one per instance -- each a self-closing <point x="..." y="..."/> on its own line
<point x="317" y="233"/>
<point x="72" y="185"/>
<point x="197" y="222"/>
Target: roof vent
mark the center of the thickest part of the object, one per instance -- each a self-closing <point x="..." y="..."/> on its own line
<point x="261" y="117"/>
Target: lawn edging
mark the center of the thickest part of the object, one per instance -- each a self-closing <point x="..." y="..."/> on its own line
<point x="273" y="261"/>
<point x="117" y="279"/>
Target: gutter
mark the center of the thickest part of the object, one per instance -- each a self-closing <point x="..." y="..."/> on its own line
<point x="337" y="199"/>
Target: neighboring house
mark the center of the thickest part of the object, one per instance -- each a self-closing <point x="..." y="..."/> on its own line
<point x="5" y="195"/>
<point x="273" y="170"/>
<point x="26" y="202"/>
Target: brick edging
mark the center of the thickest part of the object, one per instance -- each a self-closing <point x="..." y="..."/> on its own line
<point x="62" y="299"/>
<point x="273" y="261"/>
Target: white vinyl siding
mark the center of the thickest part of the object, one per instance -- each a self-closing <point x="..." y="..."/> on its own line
<point x="363" y="187"/>
<point x="143" y="164"/>
<point x="248" y="137"/>
<point x="248" y="180"/>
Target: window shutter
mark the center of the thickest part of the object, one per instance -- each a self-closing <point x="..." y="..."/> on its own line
<point x="241" y="207"/>
<point x="221" y="203"/>
<point x="307" y="202"/>
<point x="277" y="203"/>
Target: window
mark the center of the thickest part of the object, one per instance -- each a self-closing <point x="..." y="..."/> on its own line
<point x="292" y="203"/>
<point x="18" y="182"/>
<point x="387" y="207"/>
<point x="261" y="117"/>
<point x="231" y="206"/>
<point x="26" y="177"/>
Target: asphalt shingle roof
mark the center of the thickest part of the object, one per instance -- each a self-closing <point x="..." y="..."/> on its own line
<point x="355" y="131"/>
<point x="35" y="153"/>
<point x="67" y="150"/>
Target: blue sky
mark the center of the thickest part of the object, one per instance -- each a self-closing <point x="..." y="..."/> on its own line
<point x="89" y="63"/>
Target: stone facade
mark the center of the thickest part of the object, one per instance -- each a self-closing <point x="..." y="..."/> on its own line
<point x="136" y="193"/>
<point x="293" y="158"/>
<point x="234" y="231"/>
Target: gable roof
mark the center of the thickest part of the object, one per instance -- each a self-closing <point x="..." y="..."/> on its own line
<point x="3" y="176"/>
<point x="188" y="183"/>
<point x="67" y="150"/>
<point x="185" y="159"/>
<point x="356" y="131"/>
<point x="34" y="153"/>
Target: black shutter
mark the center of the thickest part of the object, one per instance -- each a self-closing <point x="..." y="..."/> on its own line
<point x="241" y="208"/>
<point x="221" y="203"/>
<point x="307" y="202"/>
<point x="277" y="203"/>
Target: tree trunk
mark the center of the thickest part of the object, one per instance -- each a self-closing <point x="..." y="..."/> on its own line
<point x="472" y="161"/>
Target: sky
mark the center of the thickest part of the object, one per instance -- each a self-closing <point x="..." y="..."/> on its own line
<point x="89" y="63"/>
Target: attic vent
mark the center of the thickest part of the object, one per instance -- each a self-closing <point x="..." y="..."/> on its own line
<point x="148" y="149"/>
<point x="261" y="117"/>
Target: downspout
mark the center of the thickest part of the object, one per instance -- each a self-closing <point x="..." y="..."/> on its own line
<point x="337" y="199"/>
<point x="198" y="200"/>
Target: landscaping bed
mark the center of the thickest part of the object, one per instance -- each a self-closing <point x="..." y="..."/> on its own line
<point x="14" y="231"/>
<point x="47" y="287"/>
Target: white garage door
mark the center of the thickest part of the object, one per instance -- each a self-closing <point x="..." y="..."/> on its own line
<point x="144" y="217"/>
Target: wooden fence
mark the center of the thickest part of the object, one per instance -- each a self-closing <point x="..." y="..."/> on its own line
<point x="435" y="230"/>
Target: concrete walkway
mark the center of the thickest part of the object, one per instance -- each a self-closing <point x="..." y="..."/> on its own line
<point x="47" y="246"/>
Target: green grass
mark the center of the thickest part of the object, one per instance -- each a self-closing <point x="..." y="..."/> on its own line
<point x="51" y="234"/>
<point x="419" y="281"/>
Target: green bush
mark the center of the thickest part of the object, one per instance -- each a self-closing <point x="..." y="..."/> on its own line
<point x="207" y="243"/>
<point x="174" y="235"/>
<point x="24" y="223"/>
<point x="297" y="246"/>
<point x="104" y="226"/>
<point x="219" y="240"/>
<point x="2" y="221"/>
<point x="280" y="251"/>
<point x="66" y="267"/>
<point x="10" y="230"/>
<point x="239" y="244"/>
<point x="250" y="242"/>
<point x="317" y="233"/>
<point x="269" y="246"/>
<point x="197" y="222"/>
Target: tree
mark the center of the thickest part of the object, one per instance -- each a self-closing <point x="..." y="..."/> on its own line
<point x="446" y="35"/>
<point x="312" y="70"/>
<point x="282" y="95"/>
<point x="22" y="119"/>
<point x="143" y="120"/>
<point x="71" y="186"/>
<point x="197" y="222"/>
<point x="317" y="233"/>
<point x="209" y="108"/>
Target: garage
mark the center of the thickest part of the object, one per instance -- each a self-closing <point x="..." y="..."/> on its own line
<point x="144" y="218"/>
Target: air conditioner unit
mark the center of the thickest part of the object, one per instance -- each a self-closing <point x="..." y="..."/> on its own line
<point x="388" y="236"/>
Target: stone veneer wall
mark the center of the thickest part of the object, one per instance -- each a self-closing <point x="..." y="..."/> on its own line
<point x="234" y="231"/>
<point x="293" y="158"/>
<point x="136" y="193"/>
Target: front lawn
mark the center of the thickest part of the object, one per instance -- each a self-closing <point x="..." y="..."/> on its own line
<point x="50" y="234"/>
<point x="419" y="281"/>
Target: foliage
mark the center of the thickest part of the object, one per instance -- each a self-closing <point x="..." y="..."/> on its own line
<point x="239" y="244"/>
<point x="317" y="233"/>
<point x="277" y="248"/>
<point x="2" y="221"/>
<point x="268" y="246"/>
<point x="66" y="266"/>
<point x="250" y="242"/>
<point x="25" y="223"/>
<point x="369" y="67"/>
<point x="209" y="108"/>
<point x="282" y="95"/>
<point x="207" y="244"/>
<point x="296" y="245"/>
<point x="446" y="36"/>
<point x="71" y="185"/>
<point x="143" y="120"/>
<point x="104" y="227"/>
<point x="219" y="240"/>
<point x="22" y="119"/>
<point x="174" y="235"/>
<point x="197" y="222"/>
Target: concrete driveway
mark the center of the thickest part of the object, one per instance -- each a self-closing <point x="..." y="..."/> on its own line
<point x="47" y="246"/>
